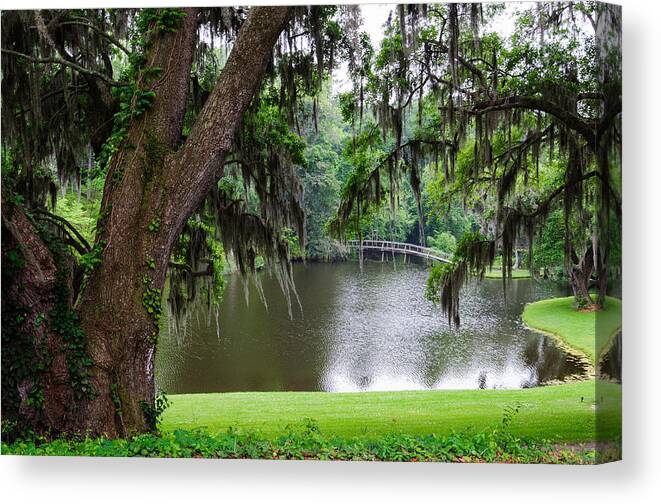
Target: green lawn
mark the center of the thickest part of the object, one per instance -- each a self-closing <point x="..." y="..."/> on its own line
<point x="559" y="413"/>
<point x="562" y="413"/>
<point x="576" y="328"/>
<point x="498" y="273"/>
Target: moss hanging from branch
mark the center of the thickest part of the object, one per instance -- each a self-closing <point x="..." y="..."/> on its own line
<point x="260" y="197"/>
<point x="473" y="256"/>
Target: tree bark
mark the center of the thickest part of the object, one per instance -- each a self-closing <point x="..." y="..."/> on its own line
<point x="580" y="273"/>
<point x="151" y="190"/>
<point x="601" y="270"/>
<point x="26" y="292"/>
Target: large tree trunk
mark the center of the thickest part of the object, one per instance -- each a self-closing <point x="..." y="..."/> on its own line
<point x="152" y="188"/>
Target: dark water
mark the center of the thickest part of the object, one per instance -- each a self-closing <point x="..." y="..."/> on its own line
<point x="610" y="365"/>
<point x="369" y="330"/>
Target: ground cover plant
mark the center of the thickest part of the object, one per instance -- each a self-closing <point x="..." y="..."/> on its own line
<point x="307" y="441"/>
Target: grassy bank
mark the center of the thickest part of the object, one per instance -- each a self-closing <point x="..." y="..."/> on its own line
<point x="586" y="332"/>
<point x="559" y="413"/>
<point x="516" y="274"/>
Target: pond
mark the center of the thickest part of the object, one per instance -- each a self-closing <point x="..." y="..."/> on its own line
<point x="358" y="331"/>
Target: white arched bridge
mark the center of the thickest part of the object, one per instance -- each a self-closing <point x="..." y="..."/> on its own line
<point x="400" y="248"/>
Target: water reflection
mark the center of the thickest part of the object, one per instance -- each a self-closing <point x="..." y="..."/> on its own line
<point x="369" y="330"/>
<point x="610" y="366"/>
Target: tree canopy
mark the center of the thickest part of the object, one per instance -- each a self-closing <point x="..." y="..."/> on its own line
<point x="514" y="124"/>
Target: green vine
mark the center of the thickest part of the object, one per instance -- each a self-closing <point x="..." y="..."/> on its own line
<point x="154" y="225"/>
<point x="19" y="358"/>
<point x="151" y="301"/>
<point x="137" y="97"/>
<point x="64" y="322"/>
<point x="116" y="401"/>
<point x="93" y="258"/>
<point x="160" y="20"/>
<point x="27" y="358"/>
<point x="133" y="103"/>
<point x="153" y="412"/>
<point x="23" y="359"/>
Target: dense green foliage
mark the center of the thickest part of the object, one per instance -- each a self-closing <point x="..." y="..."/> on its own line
<point x="307" y="441"/>
<point x="517" y="127"/>
<point x="548" y="251"/>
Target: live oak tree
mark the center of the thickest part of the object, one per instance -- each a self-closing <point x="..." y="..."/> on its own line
<point x="80" y="331"/>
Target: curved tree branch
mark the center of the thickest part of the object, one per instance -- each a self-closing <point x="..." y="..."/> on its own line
<point x="572" y="121"/>
<point x="534" y="137"/>
<point x="71" y="64"/>
<point x="62" y="222"/>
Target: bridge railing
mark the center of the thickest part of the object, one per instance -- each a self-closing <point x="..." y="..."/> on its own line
<point x="404" y="248"/>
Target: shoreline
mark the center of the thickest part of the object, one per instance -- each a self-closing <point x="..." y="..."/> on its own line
<point x="558" y="410"/>
<point x="590" y="372"/>
<point x="591" y="363"/>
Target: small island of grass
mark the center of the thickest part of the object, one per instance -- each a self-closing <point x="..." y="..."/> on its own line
<point x="587" y="332"/>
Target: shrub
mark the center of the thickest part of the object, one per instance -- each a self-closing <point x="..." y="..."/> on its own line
<point x="443" y="242"/>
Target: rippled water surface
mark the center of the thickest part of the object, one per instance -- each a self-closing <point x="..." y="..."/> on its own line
<point x="369" y="330"/>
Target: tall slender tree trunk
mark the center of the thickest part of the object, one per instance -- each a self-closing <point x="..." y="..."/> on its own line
<point x="153" y="186"/>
